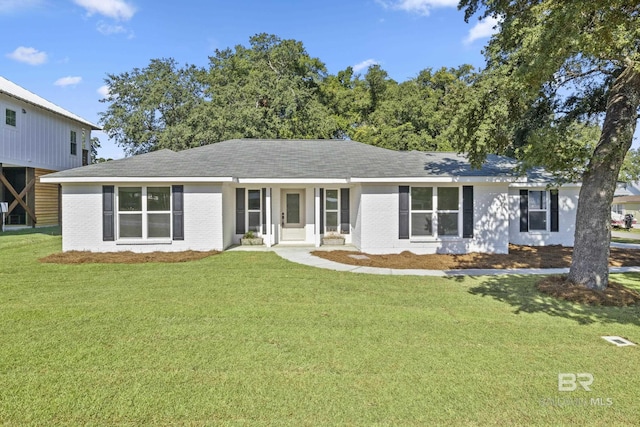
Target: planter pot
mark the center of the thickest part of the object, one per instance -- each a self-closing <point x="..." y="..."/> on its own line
<point x="333" y="241"/>
<point x="255" y="241"/>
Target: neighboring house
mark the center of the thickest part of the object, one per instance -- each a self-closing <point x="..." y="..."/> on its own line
<point x="626" y="200"/>
<point x="36" y="138"/>
<point x="296" y="191"/>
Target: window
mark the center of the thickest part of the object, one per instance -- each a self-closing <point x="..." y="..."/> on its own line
<point x="331" y="209"/>
<point x="435" y="211"/>
<point x="253" y="210"/>
<point x="144" y="212"/>
<point x="85" y="157"/>
<point x="537" y="210"/>
<point x="74" y="143"/>
<point x="10" y="117"/>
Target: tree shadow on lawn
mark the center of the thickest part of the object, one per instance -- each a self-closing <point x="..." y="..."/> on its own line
<point x="520" y="292"/>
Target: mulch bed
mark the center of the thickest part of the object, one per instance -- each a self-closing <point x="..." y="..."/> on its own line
<point x="614" y="295"/>
<point x="518" y="257"/>
<point x="81" y="257"/>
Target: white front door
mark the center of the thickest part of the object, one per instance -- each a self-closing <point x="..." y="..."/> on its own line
<point x="292" y="215"/>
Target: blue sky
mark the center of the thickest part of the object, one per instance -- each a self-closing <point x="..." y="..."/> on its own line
<point x="63" y="49"/>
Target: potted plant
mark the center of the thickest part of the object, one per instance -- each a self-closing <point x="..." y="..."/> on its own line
<point x="333" y="239"/>
<point x="250" y="238"/>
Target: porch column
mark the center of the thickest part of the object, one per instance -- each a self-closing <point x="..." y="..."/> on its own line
<point x="316" y="217"/>
<point x="268" y="219"/>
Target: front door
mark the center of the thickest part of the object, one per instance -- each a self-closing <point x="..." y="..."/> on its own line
<point x="292" y="215"/>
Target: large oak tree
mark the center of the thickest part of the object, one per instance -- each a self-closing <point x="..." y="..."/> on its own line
<point x="554" y="69"/>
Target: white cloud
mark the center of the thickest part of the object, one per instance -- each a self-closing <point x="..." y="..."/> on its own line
<point x="116" y="9"/>
<point x="28" y="55"/>
<point x="103" y="91"/>
<point x="364" y="65"/>
<point x="485" y="28"/>
<point x="107" y="29"/>
<point x="68" y="81"/>
<point x="421" y="7"/>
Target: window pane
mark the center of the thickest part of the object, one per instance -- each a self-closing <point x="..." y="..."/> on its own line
<point x="447" y="224"/>
<point x="421" y="198"/>
<point x="448" y="198"/>
<point x="254" y="200"/>
<point x="130" y="225"/>
<point x="158" y="199"/>
<point x="538" y="220"/>
<point x="421" y="224"/>
<point x="254" y="221"/>
<point x="293" y="208"/>
<point x="10" y="118"/>
<point x="537" y="200"/>
<point x="332" y="200"/>
<point x="159" y="225"/>
<point x="331" y="223"/>
<point x="130" y="199"/>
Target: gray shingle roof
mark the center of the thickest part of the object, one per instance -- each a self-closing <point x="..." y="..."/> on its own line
<point x="294" y="159"/>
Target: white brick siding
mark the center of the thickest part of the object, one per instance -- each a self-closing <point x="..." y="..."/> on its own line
<point x="82" y="221"/>
<point x="567" y="204"/>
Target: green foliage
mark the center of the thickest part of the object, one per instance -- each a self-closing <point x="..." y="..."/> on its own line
<point x="274" y="89"/>
<point x="630" y="170"/>
<point x="545" y="88"/>
<point x="149" y="108"/>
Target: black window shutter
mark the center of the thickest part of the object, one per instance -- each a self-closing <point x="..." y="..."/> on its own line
<point x="264" y="211"/>
<point x="524" y="210"/>
<point x="240" y="220"/>
<point x="178" y="211"/>
<point x="467" y="211"/>
<point x="404" y="212"/>
<point x="108" y="201"/>
<point x="322" y="211"/>
<point x="344" y="211"/>
<point x="555" y="211"/>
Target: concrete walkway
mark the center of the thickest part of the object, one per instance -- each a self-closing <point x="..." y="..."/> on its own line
<point x="302" y="255"/>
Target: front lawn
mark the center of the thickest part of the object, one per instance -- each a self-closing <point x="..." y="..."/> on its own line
<point x="246" y="338"/>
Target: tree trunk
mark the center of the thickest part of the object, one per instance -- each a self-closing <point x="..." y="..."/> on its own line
<point x="590" y="261"/>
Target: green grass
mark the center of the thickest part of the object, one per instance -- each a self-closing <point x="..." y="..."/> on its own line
<point x="246" y="338"/>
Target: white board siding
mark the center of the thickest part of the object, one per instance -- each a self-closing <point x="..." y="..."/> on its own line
<point x="379" y="212"/>
<point x="40" y="139"/>
<point x="82" y="221"/>
<point x="567" y="205"/>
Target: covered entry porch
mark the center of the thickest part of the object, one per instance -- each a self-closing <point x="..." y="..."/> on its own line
<point x="292" y="214"/>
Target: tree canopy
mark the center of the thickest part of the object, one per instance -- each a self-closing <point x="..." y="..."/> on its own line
<point x="273" y="88"/>
<point x="561" y="88"/>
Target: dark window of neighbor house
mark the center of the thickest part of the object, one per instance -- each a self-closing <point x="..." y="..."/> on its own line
<point x="10" y="117"/>
<point x="85" y="157"/>
<point x="74" y="143"/>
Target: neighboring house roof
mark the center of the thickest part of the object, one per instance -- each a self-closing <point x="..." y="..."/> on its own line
<point x="621" y="200"/>
<point x="297" y="160"/>
<point x="13" y="90"/>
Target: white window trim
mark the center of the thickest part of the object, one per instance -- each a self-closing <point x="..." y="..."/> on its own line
<point x="434" y="236"/>
<point x="547" y="210"/>
<point x="145" y="239"/>
<point x="247" y="210"/>
<point x="337" y="211"/>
